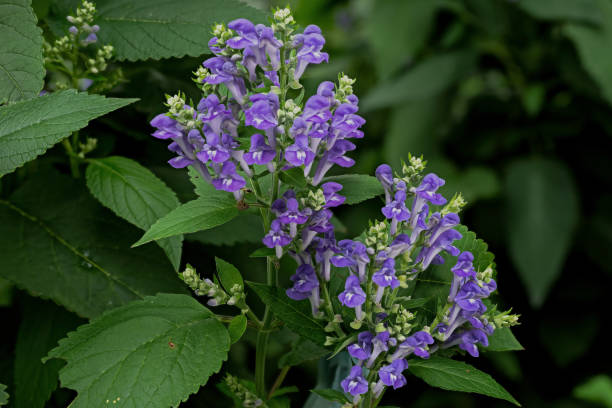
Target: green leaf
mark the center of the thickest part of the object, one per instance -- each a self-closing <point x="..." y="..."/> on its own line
<point x="4" y="397"/>
<point x="458" y="376"/>
<point x="243" y="228"/>
<point x="357" y="187"/>
<point x="236" y="328"/>
<point x="412" y="128"/>
<point x="21" y="63"/>
<point x="296" y="315"/>
<point x="135" y="194"/>
<point x="593" y="45"/>
<point x="302" y="350"/>
<point x="597" y="390"/>
<point x="66" y="247"/>
<point x="200" y="214"/>
<point x="294" y="177"/>
<point x="582" y="10"/>
<point x="228" y="274"/>
<point x="28" y="128"/>
<point x="426" y="79"/>
<point x="285" y="390"/>
<point x="262" y="253"/>
<point x="42" y="325"/>
<point x="405" y="24"/>
<point x="332" y="395"/>
<point x="503" y="340"/>
<point x="149" y="353"/>
<point x="141" y="30"/>
<point x="542" y="214"/>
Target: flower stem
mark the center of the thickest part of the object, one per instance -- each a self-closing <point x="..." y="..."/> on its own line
<point x="261" y="347"/>
<point x="279" y="380"/>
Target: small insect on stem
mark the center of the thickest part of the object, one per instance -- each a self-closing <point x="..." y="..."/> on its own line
<point x="171" y="344"/>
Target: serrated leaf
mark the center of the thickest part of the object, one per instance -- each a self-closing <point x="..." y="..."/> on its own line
<point x="502" y="339"/>
<point x="228" y="274"/>
<point x="458" y="376"/>
<point x="4" y="397"/>
<point x="66" y="247"/>
<point x="135" y="194"/>
<point x="28" y="128"/>
<point x="197" y="215"/>
<point x="331" y="395"/>
<point x="426" y="79"/>
<point x="593" y="44"/>
<point x="42" y="325"/>
<point x="141" y="29"/>
<point x="597" y="390"/>
<point x="582" y="10"/>
<point x="542" y="213"/>
<point x="21" y="63"/>
<point x="357" y="187"/>
<point x="405" y="24"/>
<point x="296" y="315"/>
<point x="302" y="350"/>
<point x="236" y="328"/>
<point x="153" y="353"/>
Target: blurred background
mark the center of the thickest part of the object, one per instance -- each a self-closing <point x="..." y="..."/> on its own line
<point x="511" y="103"/>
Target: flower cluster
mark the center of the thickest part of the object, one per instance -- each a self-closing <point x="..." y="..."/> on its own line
<point x="242" y="86"/>
<point x="70" y="55"/>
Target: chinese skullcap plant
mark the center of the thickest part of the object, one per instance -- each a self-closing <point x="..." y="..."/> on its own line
<point x="410" y="295"/>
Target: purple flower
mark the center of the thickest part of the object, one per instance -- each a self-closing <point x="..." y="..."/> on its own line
<point x="417" y="344"/>
<point x="352" y="255"/>
<point x="426" y="192"/>
<point x="166" y="127"/>
<point x="260" y="152"/>
<point x="353" y="296"/>
<point x="355" y="384"/>
<point x="223" y="70"/>
<point x="299" y="153"/>
<point x="467" y="340"/>
<point x="309" y="46"/>
<point x="447" y="222"/>
<point x="463" y="269"/>
<point x="317" y="223"/>
<point x="385" y="277"/>
<point x="396" y="210"/>
<point x="214" y="150"/>
<point x="380" y="343"/>
<point x="329" y="192"/>
<point x="228" y="179"/>
<point x="326" y="90"/>
<point x="304" y="281"/>
<point x="345" y="122"/>
<point x="293" y="216"/>
<point x="277" y="238"/>
<point x="316" y="109"/>
<point x="384" y="174"/>
<point x="391" y="375"/>
<point x="334" y="156"/>
<point x="444" y="242"/>
<point x="325" y="249"/>
<point x="259" y="40"/>
<point x="363" y="348"/>
<point x="262" y="114"/>
<point x="402" y="243"/>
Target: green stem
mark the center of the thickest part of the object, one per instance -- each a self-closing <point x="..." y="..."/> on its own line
<point x="74" y="161"/>
<point x="279" y="380"/>
<point x="261" y="347"/>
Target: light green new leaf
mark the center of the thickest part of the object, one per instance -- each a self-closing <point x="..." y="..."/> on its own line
<point x="405" y="24"/>
<point x="426" y="79"/>
<point x="582" y="10"/>
<point x="21" y="64"/>
<point x="236" y="327"/>
<point x="142" y="29"/>
<point x="66" y="247"/>
<point x="149" y="353"/>
<point x="4" y="397"/>
<point x="503" y="340"/>
<point x="228" y="274"/>
<point x="542" y="214"/>
<point x="597" y="390"/>
<point x="296" y="315"/>
<point x="197" y="215"/>
<point x="357" y="187"/>
<point x="28" y="128"/>
<point x="42" y="325"/>
<point x="458" y="376"/>
<point x="593" y="45"/>
<point x="135" y="194"/>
